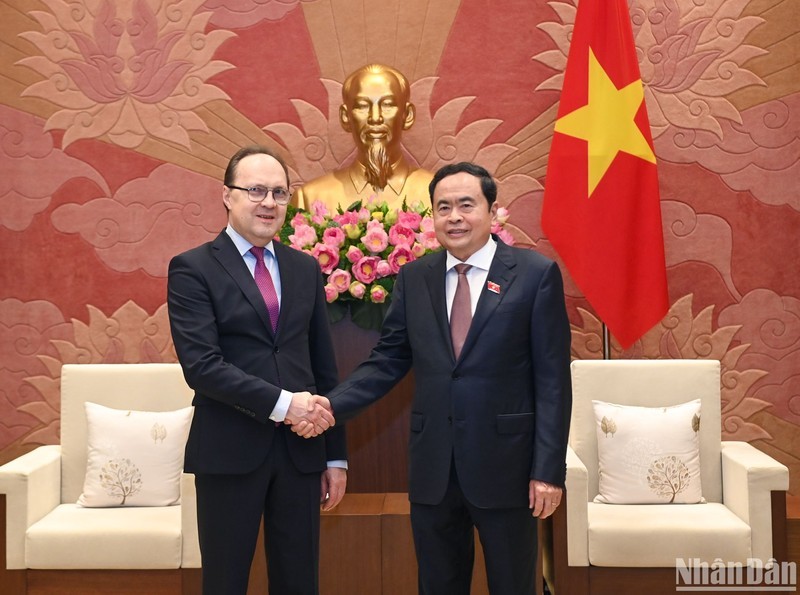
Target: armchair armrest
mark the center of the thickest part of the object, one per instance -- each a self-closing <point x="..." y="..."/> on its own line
<point x="32" y="484"/>
<point x="749" y="477"/>
<point x="577" y="510"/>
<point x="190" y="555"/>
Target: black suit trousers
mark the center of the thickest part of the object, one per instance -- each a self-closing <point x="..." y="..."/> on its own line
<point x="229" y="508"/>
<point x="444" y="543"/>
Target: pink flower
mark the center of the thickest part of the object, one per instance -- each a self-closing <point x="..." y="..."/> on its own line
<point x="418" y="250"/>
<point x="426" y="224"/>
<point x="357" y="289"/>
<point x="318" y="212"/>
<point x="502" y="215"/>
<point x="298" y="219"/>
<point x="340" y="279"/>
<point x="365" y="270"/>
<point x="428" y="240"/>
<point x="327" y="257"/>
<point x="375" y="239"/>
<point x="410" y="219"/>
<point x="354" y="254"/>
<point x="400" y="235"/>
<point x="506" y="236"/>
<point x="304" y="235"/>
<point x="364" y="215"/>
<point x="400" y="256"/>
<point x="346" y="218"/>
<point x="377" y="294"/>
<point x="333" y="236"/>
<point x="384" y="269"/>
<point x="330" y="293"/>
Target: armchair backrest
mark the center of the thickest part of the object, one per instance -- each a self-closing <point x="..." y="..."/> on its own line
<point x="648" y="383"/>
<point x="139" y="387"/>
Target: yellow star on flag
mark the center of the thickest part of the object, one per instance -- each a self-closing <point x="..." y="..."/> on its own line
<point x="607" y="122"/>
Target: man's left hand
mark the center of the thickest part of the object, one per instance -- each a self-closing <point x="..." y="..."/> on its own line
<point x="334" y="482"/>
<point x="543" y="498"/>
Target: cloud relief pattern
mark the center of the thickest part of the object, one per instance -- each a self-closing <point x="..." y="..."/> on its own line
<point x="148" y="220"/>
<point x="33" y="169"/>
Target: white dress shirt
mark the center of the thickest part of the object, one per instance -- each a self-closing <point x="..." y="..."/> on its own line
<point x="476" y="276"/>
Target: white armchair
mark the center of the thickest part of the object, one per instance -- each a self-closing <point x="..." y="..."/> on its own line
<point x="52" y="542"/>
<point x="594" y="548"/>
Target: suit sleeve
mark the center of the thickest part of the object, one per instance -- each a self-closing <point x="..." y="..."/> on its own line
<point x="197" y="343"/>
<point x="550" y="340"/>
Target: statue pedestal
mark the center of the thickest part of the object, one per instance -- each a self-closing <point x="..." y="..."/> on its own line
<point x="377" y="439"/>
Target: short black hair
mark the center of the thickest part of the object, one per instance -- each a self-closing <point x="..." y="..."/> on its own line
<point x="488" y="186"/>
<point x="230" y="171"/>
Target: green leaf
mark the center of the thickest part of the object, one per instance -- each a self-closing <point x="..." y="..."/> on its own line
<point x="368" y="315"/>
<point x="336" y="311"/>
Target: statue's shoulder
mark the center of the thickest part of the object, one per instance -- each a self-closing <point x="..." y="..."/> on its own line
<point x="329" y="189"/>
<point x="420" y="176"/>
<point x="416" y="186"/>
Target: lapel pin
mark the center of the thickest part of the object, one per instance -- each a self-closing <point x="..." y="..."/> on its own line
<point x="493" y="287"/>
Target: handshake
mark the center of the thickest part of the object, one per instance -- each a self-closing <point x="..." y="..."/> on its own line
<point x="309" y="415"/>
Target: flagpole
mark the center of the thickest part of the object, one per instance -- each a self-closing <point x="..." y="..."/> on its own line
<point x="606" y="342"/>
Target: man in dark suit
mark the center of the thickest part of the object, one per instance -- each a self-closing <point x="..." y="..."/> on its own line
<point x="491" y="409"/>
<point x="250" y="327"/>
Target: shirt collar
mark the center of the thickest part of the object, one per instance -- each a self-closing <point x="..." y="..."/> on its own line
<point x="400" y="171"/>
<point x="242" y="245"/>
<point x="482" y="259"/>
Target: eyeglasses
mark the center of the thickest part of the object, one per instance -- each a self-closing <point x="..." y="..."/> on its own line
<point x="258" y="193"/>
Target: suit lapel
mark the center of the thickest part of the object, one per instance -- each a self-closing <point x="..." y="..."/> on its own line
<point x="434" y="278"/>
<point x="225" y="252"/>
<point x="501" y="273"/>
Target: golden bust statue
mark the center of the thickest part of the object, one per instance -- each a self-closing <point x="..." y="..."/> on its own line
<point x="376" y="109"/>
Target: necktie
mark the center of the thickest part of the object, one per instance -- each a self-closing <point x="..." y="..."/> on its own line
<point x="461" y="312"/>
<point x="266" y="286"/>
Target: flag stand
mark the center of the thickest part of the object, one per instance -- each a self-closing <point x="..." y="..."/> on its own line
<point x="606" y="342"/>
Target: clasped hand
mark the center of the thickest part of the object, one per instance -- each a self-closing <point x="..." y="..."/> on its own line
<point x="309" y="415"/>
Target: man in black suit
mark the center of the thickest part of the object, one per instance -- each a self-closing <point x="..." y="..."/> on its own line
<point x="491" y="409"/>
<point x="250" y="327"/>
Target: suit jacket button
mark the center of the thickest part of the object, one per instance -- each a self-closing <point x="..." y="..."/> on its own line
<point x="450" y="420"/>
<point x="455" y="376"/>
<point x="277" y="349"/>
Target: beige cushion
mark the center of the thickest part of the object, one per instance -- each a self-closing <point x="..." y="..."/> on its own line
<point x="648" y="455"/>
<point x="72" y="537"/>
<point x="144" y="387"/>
<point x="135" y="458"/>
<point x="646" y="535"/>
<point x="647" y="383"/>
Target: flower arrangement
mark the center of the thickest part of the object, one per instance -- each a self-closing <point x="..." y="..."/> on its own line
<point x="360" y="251"/>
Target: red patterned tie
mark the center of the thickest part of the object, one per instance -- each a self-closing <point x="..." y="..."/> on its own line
<point x="461" y="312"/>
<point x="266" y="286"/>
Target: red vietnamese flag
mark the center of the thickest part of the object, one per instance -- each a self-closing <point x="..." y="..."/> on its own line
<point x="602" y="211"/>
